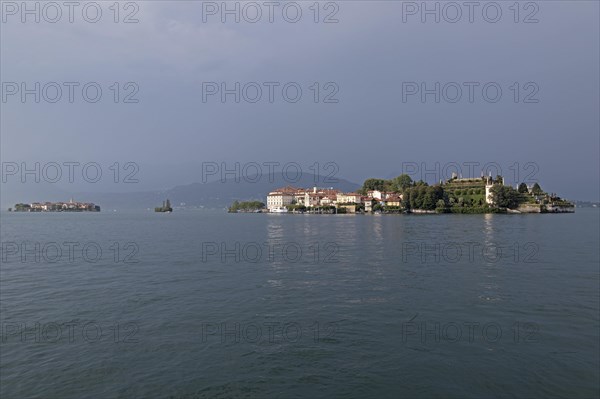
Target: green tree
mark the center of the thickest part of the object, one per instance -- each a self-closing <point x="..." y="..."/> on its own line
<point x="373" y="184"/>
<point x="523" y="188"/>
<point x="417" y="195"/>
<point x="504" y="196"/>
<point x="436" y="192"/>
<point x="441" y="205"/>
<point x="536" y="189"/>
<point x="428" y="201"/>
<point x="402" y="182"/>
<point x="422" y="196"/>
<point x="406" y="200"/>
<point x="246" y="206"/>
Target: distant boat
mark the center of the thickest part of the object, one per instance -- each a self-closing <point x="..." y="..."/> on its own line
<point x="166" y="207"/>
<point x="281" y="209"/>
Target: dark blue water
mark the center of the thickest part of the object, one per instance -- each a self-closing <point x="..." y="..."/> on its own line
<point x="200" y="304"/>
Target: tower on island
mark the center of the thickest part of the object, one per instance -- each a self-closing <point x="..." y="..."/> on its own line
<point x="489" y="183"/>
<point x="166" y="207"/>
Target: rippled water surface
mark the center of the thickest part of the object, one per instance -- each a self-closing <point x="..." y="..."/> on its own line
<point x="201" y="304"/>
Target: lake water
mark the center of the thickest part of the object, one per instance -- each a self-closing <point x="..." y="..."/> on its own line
<point x="207" y="304"/>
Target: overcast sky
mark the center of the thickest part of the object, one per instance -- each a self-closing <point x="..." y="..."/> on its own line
<point x="369" y="61"/>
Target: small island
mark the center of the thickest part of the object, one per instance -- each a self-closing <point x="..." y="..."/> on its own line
<point x="70" y="206"/>
<point x="403" y="195"/>
<point x="247" y="207"/>
<point x="166" y="207"/>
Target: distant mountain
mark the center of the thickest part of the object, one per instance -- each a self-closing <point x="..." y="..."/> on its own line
<point x="213" y="194"/>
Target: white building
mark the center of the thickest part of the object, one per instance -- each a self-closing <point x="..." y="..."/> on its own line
<point x="280" y="198"/>
<point x="311" y="197"/>
<point x="375" y="194"/>
<point x="349" y="198"/>
<point x="489" y="183"/>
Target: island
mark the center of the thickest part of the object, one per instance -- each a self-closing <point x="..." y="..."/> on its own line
<point x="70" y="206"/>
<point x="166" y="207"/>
<point x="403" y="195"/>
<point x="247" y="207"/>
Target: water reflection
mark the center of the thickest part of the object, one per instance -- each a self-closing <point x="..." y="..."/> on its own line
<point x="491" y="258"/>
<point x="346" y="253"/>
<point x="377" y="225"/>
<point x="488" y="228"/>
